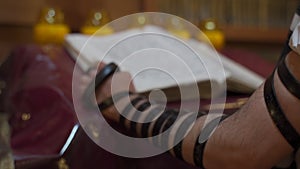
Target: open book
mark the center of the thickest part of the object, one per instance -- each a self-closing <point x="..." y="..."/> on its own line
<point x="158" y="60"/>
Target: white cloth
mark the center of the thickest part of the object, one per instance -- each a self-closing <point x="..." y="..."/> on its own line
<point x="295" y="39"/>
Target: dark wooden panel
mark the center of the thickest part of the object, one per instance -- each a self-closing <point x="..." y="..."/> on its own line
<point x="18" y="12"/>
<point x="26" y="12"/>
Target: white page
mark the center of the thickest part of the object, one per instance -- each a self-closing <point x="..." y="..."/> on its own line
<point x="151" y="49"/>
<point x="239" y="73"/>
<point x="166" y="60"/>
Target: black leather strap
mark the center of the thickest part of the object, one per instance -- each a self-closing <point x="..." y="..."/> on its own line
<point x="199" y="147"/>
<point x="278" y="117"/>
<point x="181" y="132"/>
<point x="111" y="100"/>
<point x="149" y="118"/>
<point x="128" y="108"/>
<point x="107" y="71"/>
<point x="289" y="81"/>
<point x="137" y="114"/>
<point x="164" y="116"/>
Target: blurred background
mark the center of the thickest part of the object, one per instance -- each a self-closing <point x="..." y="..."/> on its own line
<point x="256" y="25"/>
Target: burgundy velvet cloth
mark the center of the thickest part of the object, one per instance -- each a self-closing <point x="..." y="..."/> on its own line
<point x="39" y="84"/>
<point x="250" y="60"/>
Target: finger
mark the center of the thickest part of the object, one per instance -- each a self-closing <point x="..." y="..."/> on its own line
<point x="96" y="68"/>
<point x="122" y="81"/>
<point x="101" y="66"/>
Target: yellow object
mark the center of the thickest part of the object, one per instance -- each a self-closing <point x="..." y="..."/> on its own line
<point x="26" y="116"/>
<point x="96" y="24"/>
<point x="51" y="27"/>
<point x="177" y="28"/>
<point x="216" y="38"/>
<point x="97" y="30"/>
<point x="181" y="33"/>
<point x="62" y="164"/>
<point x="50" y="33"/>
<point x="213" y="33"/>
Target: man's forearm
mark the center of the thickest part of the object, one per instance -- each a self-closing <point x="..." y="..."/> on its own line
<point x="258" y="128"/>
<point x="247" y="139"/>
